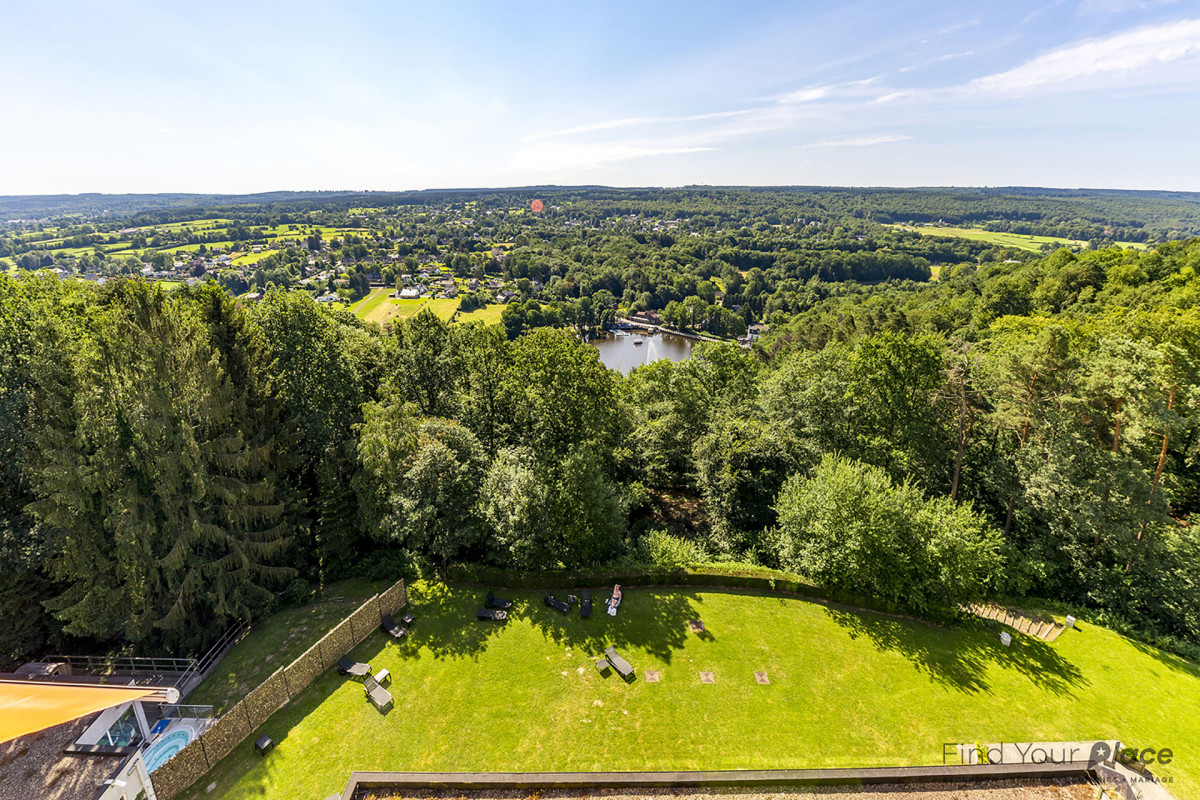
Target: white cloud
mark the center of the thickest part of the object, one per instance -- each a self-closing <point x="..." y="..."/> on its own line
<point x="860" y="141"/>
<point x="1119" y="6"/>
<point x="1123" y="53"/>
<point x="558" y="156"/>
<point x="626" y="122"/>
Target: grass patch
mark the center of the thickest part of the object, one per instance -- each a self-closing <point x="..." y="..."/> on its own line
<point x="847" y="688"/>
<point x="1001" y="239"/>
<point x="376" y="307"/>
<point x="277" y="641"/>
<point x="250" y="258"/>
<point x="489" y="315"/>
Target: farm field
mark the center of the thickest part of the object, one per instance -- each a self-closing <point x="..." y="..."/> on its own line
<point x="846" y="688"/>
<point x="1031" y="243"/>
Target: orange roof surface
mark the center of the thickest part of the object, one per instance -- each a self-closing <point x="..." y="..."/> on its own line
<point x="28" y="706"/>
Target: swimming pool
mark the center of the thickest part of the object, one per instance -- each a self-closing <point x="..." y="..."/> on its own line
<point x="168" y="745"/>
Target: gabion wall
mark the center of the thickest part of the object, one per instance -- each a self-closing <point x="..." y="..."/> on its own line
<point x="189" y="764"/>
<point x="304" y="670"/>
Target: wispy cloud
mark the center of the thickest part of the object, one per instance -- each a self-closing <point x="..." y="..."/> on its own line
<point x="859" y="141"/>
<point x="1120" y="6"/>
<point x="560" y="156"/>
<point x="626" y="122"/>
<point x="1121" y="53"/>
<point x="938" y="60"/>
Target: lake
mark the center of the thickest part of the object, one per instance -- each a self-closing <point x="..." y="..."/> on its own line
<point x="620" y="353"/>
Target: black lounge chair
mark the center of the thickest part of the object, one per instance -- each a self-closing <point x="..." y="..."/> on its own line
<point x="493" y="614"/>
<point x="394" y="628"/>
<point x="355" y="669"/>
<point x="558" y="605"/>
<point x="496" y="602"/>
<point x="585" y="610"/>
<point x="619" y="664"/>
<point x="408" y="619"/>
<point x="378" y="695"/>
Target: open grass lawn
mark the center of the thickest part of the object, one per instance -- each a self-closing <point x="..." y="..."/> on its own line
<point x="489" y="314"/>
<point x="278" y="641"/>
<point x="379" y="306"/>
<point x="1032" y="243"/>
<point x="847" y="688"/>
<point x="245" y="259"/>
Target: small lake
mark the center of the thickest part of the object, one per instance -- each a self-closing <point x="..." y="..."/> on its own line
<point x="618" y="351"/>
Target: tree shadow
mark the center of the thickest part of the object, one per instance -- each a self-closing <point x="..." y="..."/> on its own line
<point x="1169" y="660"/>
<point x="960" y="657"/>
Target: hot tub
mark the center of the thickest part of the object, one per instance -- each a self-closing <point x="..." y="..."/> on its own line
<point x="172" y="740"/>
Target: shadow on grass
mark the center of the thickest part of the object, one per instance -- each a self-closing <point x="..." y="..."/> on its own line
<point x="652" y="622"/>
<point x="961" y="657"/>
<point x="1170" y="660"/>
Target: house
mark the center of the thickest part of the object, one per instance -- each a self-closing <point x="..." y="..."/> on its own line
<point x="253" y="297"/>
<point x="408" y="293"/>
<point x="327" y="298"/>
<point x="505" y="296"/>
<point x="756" y="330"/>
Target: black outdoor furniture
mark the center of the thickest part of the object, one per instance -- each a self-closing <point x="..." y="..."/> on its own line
<point x="493" y="614"/>
<point x="355" y="669"/>
<point x="378" y="695"/>
<point x="558" y="605"/>
<point x="408" y="619"/>
<point x="263" y="744"/>
<point x="619" y="664"/>
<point x="585" y="610"/>
<point x="394" y="628"/>
<point x="602" y="665"/>
<point x="496" y="602"/>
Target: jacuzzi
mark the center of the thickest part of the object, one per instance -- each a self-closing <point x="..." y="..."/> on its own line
<point x="173" y="739"/>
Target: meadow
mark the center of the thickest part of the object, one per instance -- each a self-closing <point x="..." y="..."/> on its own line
<point x="1002" y="239"/>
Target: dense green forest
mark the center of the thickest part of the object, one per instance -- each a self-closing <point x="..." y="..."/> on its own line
<point x="1024" y="426"/>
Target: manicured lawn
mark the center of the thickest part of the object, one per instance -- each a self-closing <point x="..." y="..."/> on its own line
<point x="847" y="688"/>
<point x="1033" y="243"/>
<point x="277" y="641"/>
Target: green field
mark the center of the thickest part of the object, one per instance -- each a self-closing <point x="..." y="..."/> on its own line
<point x="250" y="258"/>
<point x="1031" y="243"/>
<point x="380" y="307"/>
<point x="847" y="688"/>
<point x="489" y="315"/>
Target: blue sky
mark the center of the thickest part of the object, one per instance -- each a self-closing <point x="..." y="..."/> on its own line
<point x="127" y="96"/>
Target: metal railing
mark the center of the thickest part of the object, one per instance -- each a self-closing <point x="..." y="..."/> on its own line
<point x="107" y="665"/>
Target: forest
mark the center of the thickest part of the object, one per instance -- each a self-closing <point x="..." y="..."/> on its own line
<point x="1024" y="426"/>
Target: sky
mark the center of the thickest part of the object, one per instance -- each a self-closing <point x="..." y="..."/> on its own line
<point x="230" y="97"/>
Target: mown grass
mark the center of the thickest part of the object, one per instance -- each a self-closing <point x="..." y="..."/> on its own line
<point x="278" y="641"/>
<point x="489" y="315"/>
<point x="847" y="688"/>
<point x="1021" y="241"/>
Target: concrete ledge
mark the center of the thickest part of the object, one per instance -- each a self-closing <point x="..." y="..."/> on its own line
<point x="764" y="777"/>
